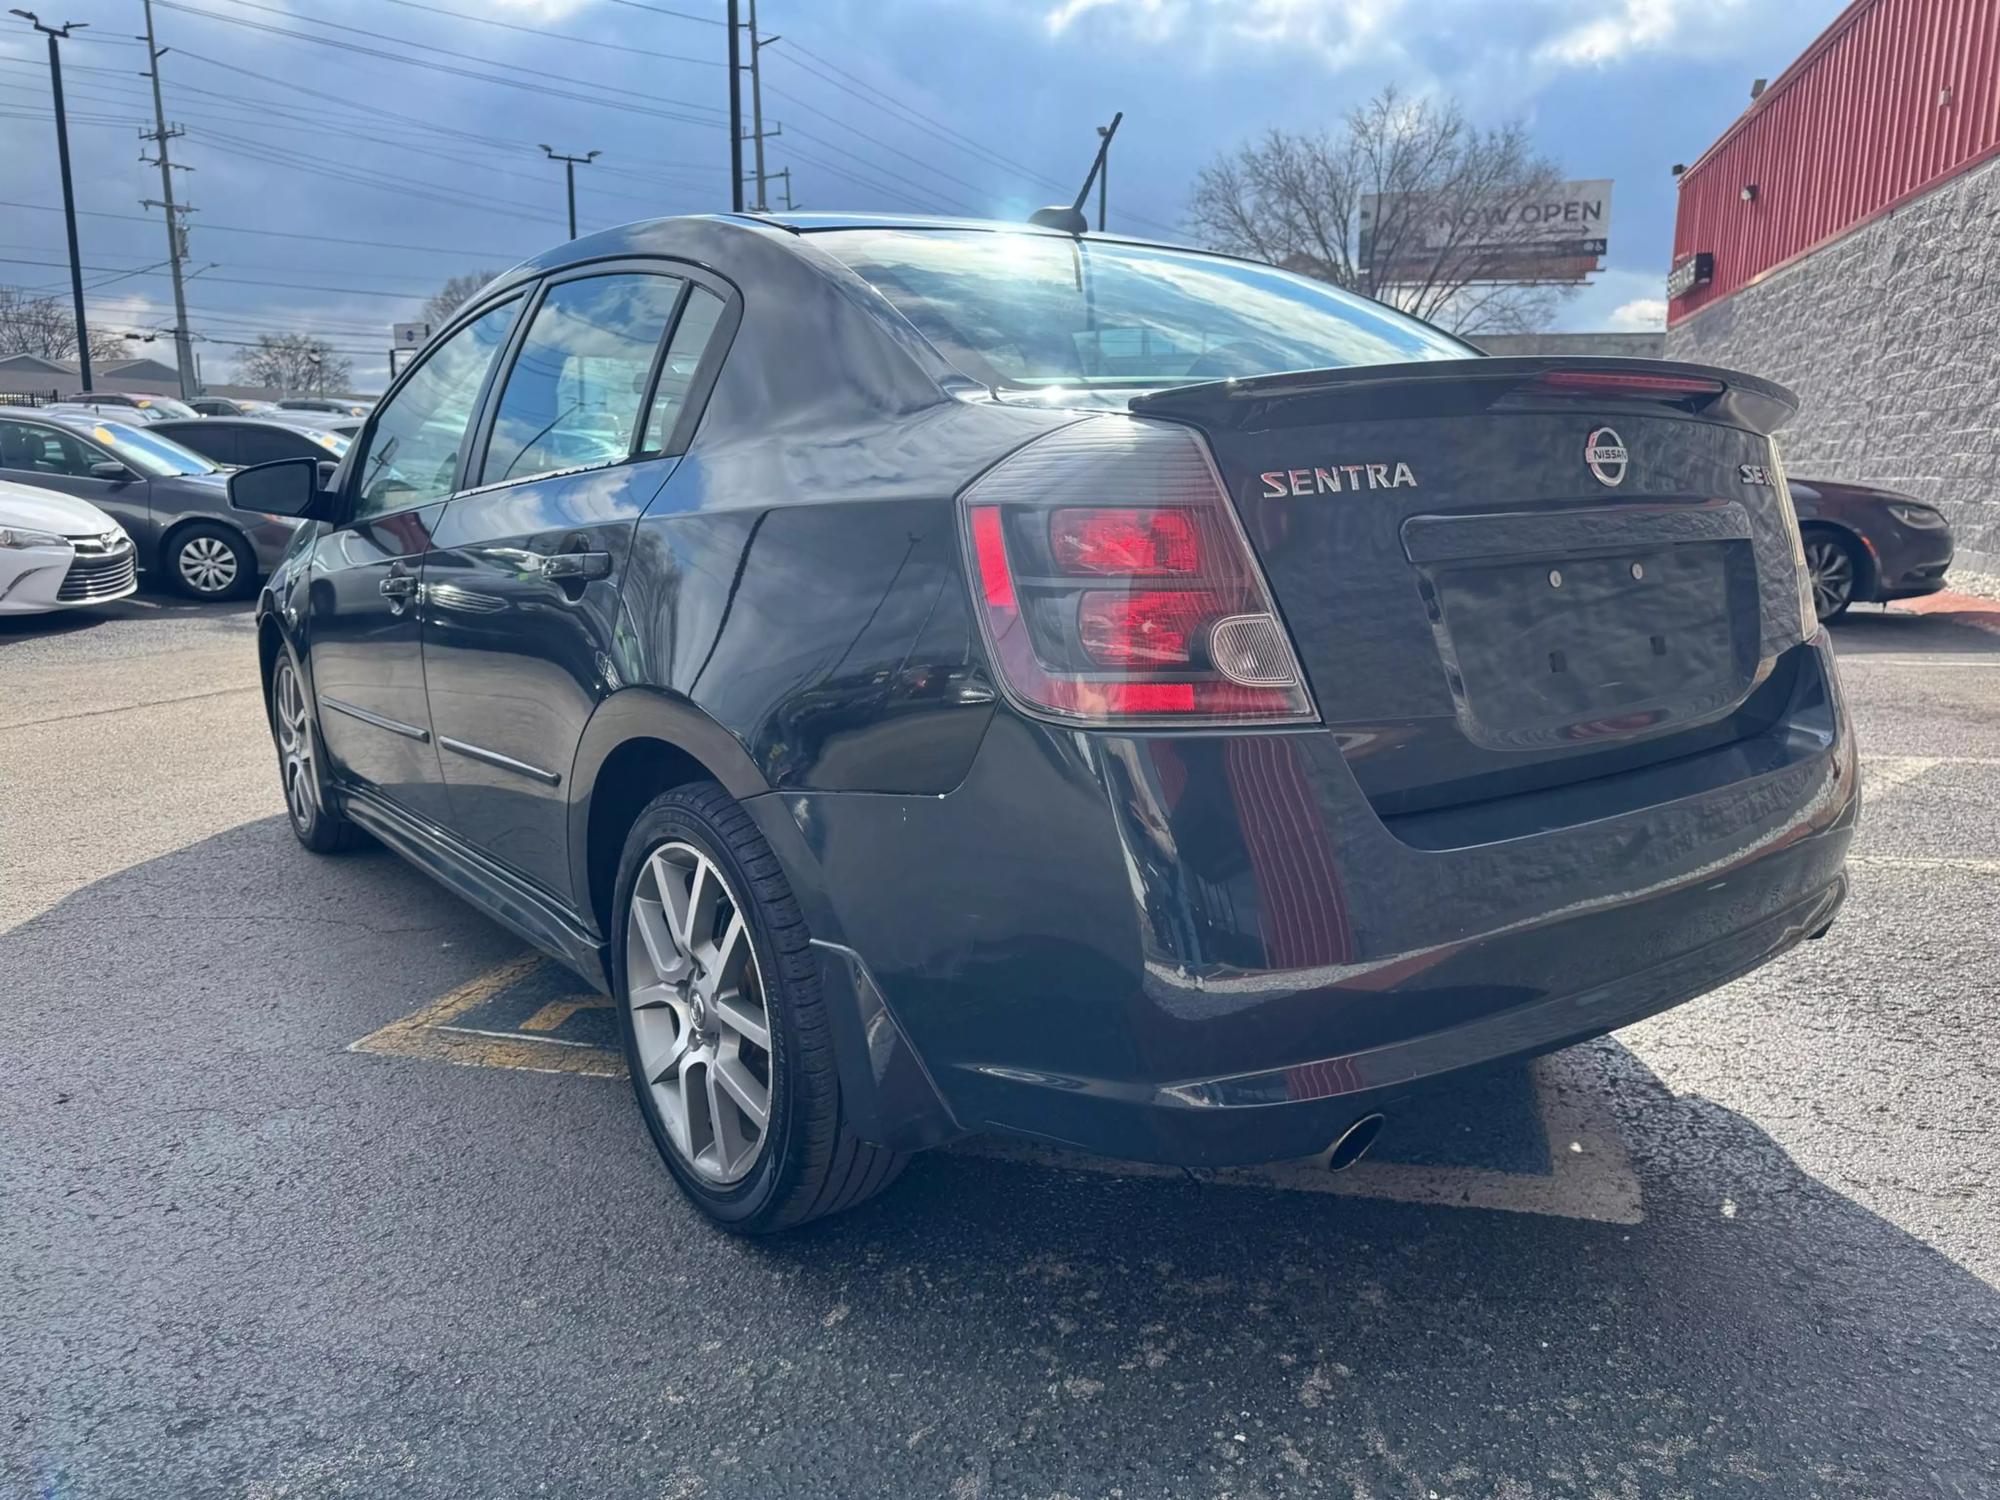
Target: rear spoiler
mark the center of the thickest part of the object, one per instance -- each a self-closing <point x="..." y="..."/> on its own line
<point x="1465" y="387"/>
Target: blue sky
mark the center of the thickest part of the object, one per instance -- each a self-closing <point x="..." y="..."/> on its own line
<point x="368" y="179"/>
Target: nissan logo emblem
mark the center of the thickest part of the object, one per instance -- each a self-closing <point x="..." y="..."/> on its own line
<point x="1604" y="453"/>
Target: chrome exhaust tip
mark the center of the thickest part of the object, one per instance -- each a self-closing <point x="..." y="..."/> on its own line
<point x="1354" y="1142"/>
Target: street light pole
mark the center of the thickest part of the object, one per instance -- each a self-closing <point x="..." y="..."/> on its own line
<point x="570" y="164"/>
<point x="55" y="34"/>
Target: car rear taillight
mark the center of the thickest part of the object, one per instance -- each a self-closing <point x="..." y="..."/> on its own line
<point x="1115" y="584"/>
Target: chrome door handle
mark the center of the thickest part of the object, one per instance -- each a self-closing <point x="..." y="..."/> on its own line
<point x="398" y="586"/>
<point x="574" y="567"/>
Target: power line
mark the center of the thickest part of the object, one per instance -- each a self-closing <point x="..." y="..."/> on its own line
<point x="561" y="36"/>
<point x="597" y="88"/>
<point x="286" y="234"/>
<point x="290" y="286"/>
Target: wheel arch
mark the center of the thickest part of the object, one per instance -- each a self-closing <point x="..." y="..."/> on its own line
<point x="639" y="743"/>
<point x="1867" y="567"/>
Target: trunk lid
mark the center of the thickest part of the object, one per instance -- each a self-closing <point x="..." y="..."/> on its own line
<point x="1505" y="574"/>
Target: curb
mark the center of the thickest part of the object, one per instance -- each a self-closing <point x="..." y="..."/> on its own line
<point x="1959" y="609"/>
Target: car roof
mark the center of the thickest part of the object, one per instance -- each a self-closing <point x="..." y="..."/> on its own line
<point x="644" y="237"/>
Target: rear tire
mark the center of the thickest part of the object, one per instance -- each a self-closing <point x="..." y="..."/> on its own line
<point x="315" y="821"/>
<point x="717" y="1021"/>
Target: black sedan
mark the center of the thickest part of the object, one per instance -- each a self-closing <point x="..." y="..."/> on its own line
<point x="172" y="502"/>
<point x="1867" y="546"/>
<point x="953" y="677"/>
<point x="238" y="442"/>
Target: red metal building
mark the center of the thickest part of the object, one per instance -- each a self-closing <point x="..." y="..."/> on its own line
<point x="1894" y="98"/>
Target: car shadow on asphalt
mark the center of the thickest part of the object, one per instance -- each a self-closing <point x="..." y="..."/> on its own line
<point x="985" y="1328"/>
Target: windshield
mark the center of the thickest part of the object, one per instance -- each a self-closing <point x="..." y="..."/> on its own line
<point x="1034" y="310"/>
<point x="149" y="453"/>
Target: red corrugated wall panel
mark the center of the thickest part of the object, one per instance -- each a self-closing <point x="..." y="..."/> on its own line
<point x="1852" y="128"/>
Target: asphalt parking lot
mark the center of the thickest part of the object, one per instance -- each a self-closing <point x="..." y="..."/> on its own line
<point x="312" y="1185"/>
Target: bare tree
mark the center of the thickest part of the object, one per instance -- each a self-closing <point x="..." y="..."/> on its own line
<point x="293" y="364"/>
<point x="453" y="295"/>
<point x="46" y="326"/>
<point x="1405" y="202"/>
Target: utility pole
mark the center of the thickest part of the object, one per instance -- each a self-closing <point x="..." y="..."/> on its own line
<point x="55" y="34"/>
<point x="757" y="131"/>
<point x="570" y="164"/>
<point x="176" y="231"/>
<point x="786" y="178"/>
<point x="735" y="111"/>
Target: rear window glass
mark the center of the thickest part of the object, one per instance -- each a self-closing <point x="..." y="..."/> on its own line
<point x="1045" y="310"/>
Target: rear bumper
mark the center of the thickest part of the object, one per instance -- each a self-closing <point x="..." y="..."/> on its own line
<point x="1208" y="949"/>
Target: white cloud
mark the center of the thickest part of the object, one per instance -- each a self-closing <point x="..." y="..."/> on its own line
<point x="1547" y="35"/>
<point x="1635" y="26"/>
<point x="1641" y="315"/>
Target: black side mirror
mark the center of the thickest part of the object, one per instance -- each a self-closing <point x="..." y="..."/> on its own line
<point x="112" y="470"/>
<point x="288" y="487"/>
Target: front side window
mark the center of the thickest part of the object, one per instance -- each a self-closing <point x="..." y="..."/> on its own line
<point x="572" y="399"/>
<point x="413" y="452"/>
<point x="1036" y="310"/>
<point x="44" y="450"/>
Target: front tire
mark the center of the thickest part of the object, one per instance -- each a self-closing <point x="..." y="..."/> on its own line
<point x="207" y="561"/>
<point x="1835" y="569"/>
<point x="726" y="1035"/>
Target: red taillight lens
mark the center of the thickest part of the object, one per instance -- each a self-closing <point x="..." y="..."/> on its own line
<point x="1145" y="605"/>
<point x="1144" y="628"/>
<point x="1627" y="383"/>
<point x="1128" y="541"/>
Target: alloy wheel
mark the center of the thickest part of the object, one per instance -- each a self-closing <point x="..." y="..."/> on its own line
<point x="1831" y="568"/>
<point x="289" y="723"/>
<point x="699" y="1014"/>
<point x="207" y="564"/>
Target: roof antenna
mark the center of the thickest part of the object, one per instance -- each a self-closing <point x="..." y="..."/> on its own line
<point x="1070" y="219"/>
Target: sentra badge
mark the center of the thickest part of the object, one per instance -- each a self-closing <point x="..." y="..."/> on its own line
<point x="1336" y="479"/>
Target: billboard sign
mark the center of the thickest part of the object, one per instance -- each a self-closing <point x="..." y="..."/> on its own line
<point x="1553" y="236"/>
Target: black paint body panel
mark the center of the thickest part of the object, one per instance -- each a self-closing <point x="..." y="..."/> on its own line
<point x="1193" y="946"/>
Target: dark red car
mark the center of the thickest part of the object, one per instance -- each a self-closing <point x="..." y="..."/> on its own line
<point x="1868" y="546"/>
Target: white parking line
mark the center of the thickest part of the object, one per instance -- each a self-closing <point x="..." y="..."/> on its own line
<point x="1911" y="663"/>
<point x="1962" y="866"/>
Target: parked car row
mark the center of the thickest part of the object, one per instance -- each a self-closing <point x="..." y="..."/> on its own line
<point x="70" y="477"/>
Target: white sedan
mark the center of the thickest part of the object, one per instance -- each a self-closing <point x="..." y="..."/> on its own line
<point x="57" y="551"/>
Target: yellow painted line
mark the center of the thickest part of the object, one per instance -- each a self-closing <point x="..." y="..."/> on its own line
<point x="423" y="1034"/>
<point x="552" y="1015"/>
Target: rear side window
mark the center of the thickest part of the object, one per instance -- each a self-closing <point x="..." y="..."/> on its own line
<point x="212" y="440"/>
<point x="572" y="399"/>
<point x="1037" y="310"/>
<point x="413" y="451"/>
<point x="261" y="446"/>
<point x="678" y="370"/>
